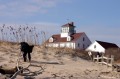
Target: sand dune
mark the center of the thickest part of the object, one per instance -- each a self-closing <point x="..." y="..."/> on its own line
<point x="57" y="66"/>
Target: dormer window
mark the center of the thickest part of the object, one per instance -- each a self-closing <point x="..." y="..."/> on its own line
<point x="68" y="38"/>
<point x="51" y="39"/>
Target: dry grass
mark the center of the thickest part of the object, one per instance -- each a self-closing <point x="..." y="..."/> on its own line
<point x="115" y="52"/>
<point x="9" y="47"/>
<point x="15" y="48"/>
<point x="69" y="52"/>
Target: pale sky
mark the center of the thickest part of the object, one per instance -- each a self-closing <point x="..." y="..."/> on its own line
<point x="99" y="19"/>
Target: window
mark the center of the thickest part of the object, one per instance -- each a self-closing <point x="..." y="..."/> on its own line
<point x="78" y="45"/>
<point x="83" y="46"/>
<point x="51" y="39"/>
<point x="83" y="39"/>
<point x="65" y="30"/>
<point x="94" y="46"/>
<point x="68" y="38"/>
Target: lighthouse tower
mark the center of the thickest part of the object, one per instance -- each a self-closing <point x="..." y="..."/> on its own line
<point x="67" y="30"/>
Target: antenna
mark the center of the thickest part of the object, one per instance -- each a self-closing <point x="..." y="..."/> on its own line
<point x="68" y="20"/>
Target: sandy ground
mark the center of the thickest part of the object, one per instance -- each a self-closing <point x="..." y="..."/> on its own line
<point x="56" y="66"/>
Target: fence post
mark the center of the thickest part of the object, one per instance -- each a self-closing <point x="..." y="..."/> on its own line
<point x="112" y="59"/>
<point x="107" y="60"/>
<point x="102" y="60"/>
<point x="97" y="58"/>
<point x="93" y="58"/>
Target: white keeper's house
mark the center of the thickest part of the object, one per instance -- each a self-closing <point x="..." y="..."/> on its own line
<point x="69" y="38"/>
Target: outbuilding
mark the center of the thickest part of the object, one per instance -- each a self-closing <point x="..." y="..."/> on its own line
<point x="100" y="46"/>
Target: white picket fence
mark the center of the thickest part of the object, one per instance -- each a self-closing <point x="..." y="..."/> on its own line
<point x="104" y="60"/>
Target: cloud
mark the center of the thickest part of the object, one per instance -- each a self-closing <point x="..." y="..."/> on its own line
<point x="26" y="7"/>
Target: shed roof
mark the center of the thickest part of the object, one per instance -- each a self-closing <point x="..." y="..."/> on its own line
<point x="107" y="45"/>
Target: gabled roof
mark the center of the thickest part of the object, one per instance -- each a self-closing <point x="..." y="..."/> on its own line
<point x="71" y="24"/>
<point x="57" y="38"/>
<point x="107" y="45"/>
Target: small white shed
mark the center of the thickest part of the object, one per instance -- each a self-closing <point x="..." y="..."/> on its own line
<point x="100" y="46"/>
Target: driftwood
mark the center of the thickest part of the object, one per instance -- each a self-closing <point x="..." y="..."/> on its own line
<point x="27" y="72"/>
<point x="19" y="70"/>
<point x="13" y="72"/>
<point x="9" y="71"/>
<point x="116" y="67"/>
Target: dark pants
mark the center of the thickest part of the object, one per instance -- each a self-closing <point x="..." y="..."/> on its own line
<point x="25" y="58"/>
